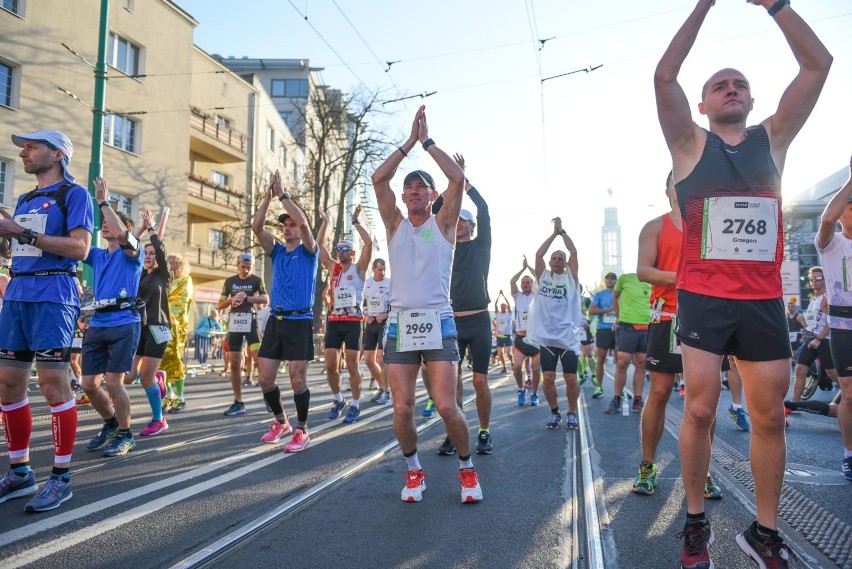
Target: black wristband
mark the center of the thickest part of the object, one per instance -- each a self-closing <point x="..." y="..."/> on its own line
<point x="404" y="153"/>
<point x="104" y="204"/>
<point x="427" y="143"/>
<point x="563" y="232"/>
<point x="777" y="7"/>
<point x="356" y="222"/>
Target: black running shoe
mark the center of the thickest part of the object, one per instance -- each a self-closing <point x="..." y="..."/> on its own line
<point x="447" y="448"/>
<point x="483" y="443"/>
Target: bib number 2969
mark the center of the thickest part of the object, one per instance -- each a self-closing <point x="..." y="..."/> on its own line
<point x="419" y="330"/>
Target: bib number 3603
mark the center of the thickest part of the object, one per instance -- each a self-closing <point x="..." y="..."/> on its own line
<point x="740" y="228"/>
<point x="418" y="330"/>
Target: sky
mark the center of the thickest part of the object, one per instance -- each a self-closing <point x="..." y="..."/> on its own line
<point x="539" y="140"/>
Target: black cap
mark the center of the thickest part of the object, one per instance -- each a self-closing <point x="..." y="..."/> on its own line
<point x="427" y="179"/>
<point x="283" y="217"/>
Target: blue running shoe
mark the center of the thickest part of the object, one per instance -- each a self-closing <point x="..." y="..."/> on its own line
<point x="847" y="468"/>
<point x="352" y="415"/>
<point x="429" y="409"/>
<point x="120" y="445"/>
<point x="103" y="436"/>
<point x="55" y="492"/>
<point x="739" y="417"/>
<point x="522" y="396"/>
<point x="15" y="486"/>
<point x="533" y="400"/>
<point x="554" y="421"/>
<point x="336" y="409"/>
<point x="571" y="421"/>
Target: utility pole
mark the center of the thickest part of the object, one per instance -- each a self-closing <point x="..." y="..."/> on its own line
<point x="96" y="166"/>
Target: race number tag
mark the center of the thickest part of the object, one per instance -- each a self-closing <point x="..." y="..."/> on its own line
<point x="674" y="343"/>
<point x="609" y="318"/>
<point x="523" y="317"/>
<point x="376" y="305"/>
<point x="34" y="221"/>
<point x="740" y="228"/>
<point x="794" y="337"/>
<point x="418" y="330"/>
<point x="160" y="333"/>
<point x="345" y="297"/>
<point x="239" y="322"/>
<point x="76" y="342"/>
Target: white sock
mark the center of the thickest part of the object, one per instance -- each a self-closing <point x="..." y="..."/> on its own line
<point x="355" y="403"/>
<point x="413" y="462"/>
<point x="466" y="463"/>
<point x="338" y="397"/>
<point x="736" y="407"/>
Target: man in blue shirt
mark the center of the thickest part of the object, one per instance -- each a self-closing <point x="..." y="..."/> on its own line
<point x="604" y="337"/>
<point x="51" y="231"/>
<point x="113" y="335"/>
<point x="289" y="333"/>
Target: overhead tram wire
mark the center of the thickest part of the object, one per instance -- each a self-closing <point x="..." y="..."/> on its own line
<point x="531" y="21"/>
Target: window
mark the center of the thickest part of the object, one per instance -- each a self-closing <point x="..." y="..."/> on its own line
<point x="11" y="6"/>
<point x="221" y="122"/>
<point x="289" y="88"/>
<point x="282" y="156"/>
<point x="218" y="178"/>
<point x="4" y="170"/>
<point x="270" y="138"/>
<point x="7" y="84"/>
<point x="123" y="55"/>
<point x="217" y="239"/>
<point x="120" y="202"/>
<point x="120" y="132"/>
<point x="287" y="116"/>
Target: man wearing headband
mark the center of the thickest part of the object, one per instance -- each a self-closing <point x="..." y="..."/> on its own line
<point x="51" y="231"/>
<point x="421" y="325"/>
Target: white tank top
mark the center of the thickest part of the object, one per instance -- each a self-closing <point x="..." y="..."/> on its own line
<point x="348" y="281"/>
<point x="556" y="314"/>
<point x="523" y="303"/>
<point x="422" y="260"/>
<point x="376" y="296"/>
<point x="815" y="317"/>
<point x="504" y="323"/>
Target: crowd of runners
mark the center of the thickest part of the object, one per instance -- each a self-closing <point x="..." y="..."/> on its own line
<point x="700" y="309"/>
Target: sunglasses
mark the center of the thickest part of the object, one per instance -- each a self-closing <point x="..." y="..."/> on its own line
<point x="344" y="249"/>
<point x="816" y="278"/>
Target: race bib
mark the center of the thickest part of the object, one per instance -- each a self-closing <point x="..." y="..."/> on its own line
<point x="523" y="317"/>
<point x="34" y="221"/>
<point x="160" y="333"/>
<point x="376" y="305"/>
<point x="239" y="322"/>
<point x="609" y="318"/>
<point x="418" y="330"/>
<point x="345" y="297"/>
<point x="77" y="342"/>
<point x="794" y="337"/>
<point x="740" y="228"/>
<point x="674" y="343"/>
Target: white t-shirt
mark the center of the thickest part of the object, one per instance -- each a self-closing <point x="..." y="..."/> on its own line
<point x="376" y="296"/>
<point x="556" y="314"/>
<point x="836" y="261"/>
<point x="523" y="304"/>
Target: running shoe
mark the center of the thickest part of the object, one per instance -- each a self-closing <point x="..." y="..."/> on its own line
<point x="534" y="400"/>
<point x="336" y="409"/>
<point x="646" y="481"/>
<point x="528" y="384"/>
<point x="598" y="392"/>
<point x="299" y="441"/>
<point x="276" y="431"/>
<point x="554" y="421"/>
<point x="614" y="406"/>
<point x="15" y="486"/>
<point x="83" y="400"/>
<point x="847" y="468"/>
<point x="168" y="402"/>
<point x="429" y="409"/>
<point x="571" y="421"/>
<point x="415" y="483"/>
<point x="384" y="398"/>
<point x="697" y="538"/>
<point x="483" y="443"/>
<point x="178" y="406"/>
<point x="237" y="408"/>
<point x="471" y="491"/>
<point x="712" y="490"/>
<point x="160" y="377"/>
<point x="247" y="382"/>
<point x="119" y="445"/>
<point x="447" y="448"/>
<point x="582" y="379"/>
<point x="373" y="385"/>
<point x="375" y="397"/>
<point x="522" y="397"/>
<point x="770" y="552"/>
<point x="102" y="438"/>
<point x="352" y="415"/>
<point x="682" y="390"/>
<point x="154" y="427"/>
<point x="638" y="404"/>
<point x="739" y="417"/>
<point x="55" y="491"/>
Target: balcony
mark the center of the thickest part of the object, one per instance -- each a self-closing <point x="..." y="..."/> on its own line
<point x="209" y="263"/>
<point x="214" y="201"/>
<point x="221" y="143"/>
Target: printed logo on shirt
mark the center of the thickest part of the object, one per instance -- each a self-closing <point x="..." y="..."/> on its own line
<point x="427" y="236"/>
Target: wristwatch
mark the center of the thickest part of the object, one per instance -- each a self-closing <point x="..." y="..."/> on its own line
<point x="284" y="196"/>
<point x="27" y="237"/>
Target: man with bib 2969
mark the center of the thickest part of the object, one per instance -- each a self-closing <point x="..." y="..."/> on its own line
<point x="728" y="182"/>
<point x="421" y="325"/>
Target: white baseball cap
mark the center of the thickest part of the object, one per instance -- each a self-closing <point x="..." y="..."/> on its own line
<point x="55" y="140"/>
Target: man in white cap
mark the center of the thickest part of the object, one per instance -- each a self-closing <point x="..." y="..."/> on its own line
<point x="51" y="230"/>
<point x="240" y="294"/>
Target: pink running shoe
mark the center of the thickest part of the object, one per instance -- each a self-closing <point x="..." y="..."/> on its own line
<point x="276" y="431"/>
<point x="299" y="441"/>
<point x="415" y="483"/>
<point x="471" y="491"/>
<point x="154" y="428"/>
<point x="160" y="377"/>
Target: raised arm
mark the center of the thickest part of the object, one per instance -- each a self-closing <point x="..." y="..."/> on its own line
<point x="680" y="131"/>
<point x="801" y="95"/>
<point x="366" y="248"/>
<point x="573" y="260"/>
<point x="448" y="217"/>
<point x="385" y="198"/>
<point x="295" y="213"/>
<point x="646" y="269"/>
<point x="542" y="251"/>
<point x="513" y="283"/>
<point x="129" y="242"/>
<point x="833" y="211"/>
<point x="258" y="224"/>
<point x="324" y="256"/>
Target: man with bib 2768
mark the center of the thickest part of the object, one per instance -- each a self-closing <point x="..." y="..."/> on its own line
<point x="728" y="182"/>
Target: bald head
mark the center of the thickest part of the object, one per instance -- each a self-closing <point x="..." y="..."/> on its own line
<point x="720" y="76"/>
